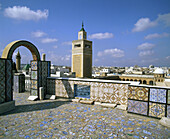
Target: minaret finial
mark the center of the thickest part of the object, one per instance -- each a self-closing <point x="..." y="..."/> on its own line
<point x="82" y="25"/>
<point x="82" y="29"/>
<point x="18" y="54"/>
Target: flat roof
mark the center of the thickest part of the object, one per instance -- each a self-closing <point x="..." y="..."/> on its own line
<point x="141" y="76"/>
<point x="92" y="80"/>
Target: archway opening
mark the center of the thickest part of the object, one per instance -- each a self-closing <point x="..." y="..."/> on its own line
<point x="144" y="82"/>
<point x="24" y="67"/>
<point x="9" y="54"/>
<point x="151" y="82"/>
<point x="11" y="47"/>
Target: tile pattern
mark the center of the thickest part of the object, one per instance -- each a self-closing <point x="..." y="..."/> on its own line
<point x="16" y="84"/>
<point x="137" y="107"/>
<point x="34" y="65"/>
<point x="34" y="84"/>
<point x="123" y="93"/>
<point x="156" y="110"/>
<point x="103" y="92"/>
<point x="9" y="80"/>
<point x="51" y="87"/>
<point x="40" y="73"/>
<point x="109" y="92"/>
<point x="168" y="96"/>
<point x="34" y="75"/>
<point x="64" y="88"/>
<point x="138" y="93"/>
<point x="34" y="92"/>
<point x="49" y="70"/>
<point x="2" y="80"/>
<point x="58" y="119"/>
<point x="168" y="111"/>
<point x="158" y="95"/>
<point x="44" y="74"/>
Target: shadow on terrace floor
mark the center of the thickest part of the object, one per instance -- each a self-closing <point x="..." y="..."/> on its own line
<point x="36" y="106"/>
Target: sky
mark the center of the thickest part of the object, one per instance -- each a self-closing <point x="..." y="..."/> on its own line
<point x="123" y="32"/>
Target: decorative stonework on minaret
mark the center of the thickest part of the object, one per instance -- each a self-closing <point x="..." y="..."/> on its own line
<point x="18" y="61"/>
<point x="82" y="55"/>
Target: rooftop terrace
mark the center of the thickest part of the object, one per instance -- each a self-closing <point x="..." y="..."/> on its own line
<point x="61" y="118"/>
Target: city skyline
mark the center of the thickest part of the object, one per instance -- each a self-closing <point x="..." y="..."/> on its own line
<point x="124" y="33"/>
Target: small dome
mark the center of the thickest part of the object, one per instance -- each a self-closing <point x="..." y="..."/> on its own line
<point x="158" y="71"/>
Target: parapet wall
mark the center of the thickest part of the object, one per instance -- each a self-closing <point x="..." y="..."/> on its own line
<point x="152" y="101"/>
<point x="100" y="90"/>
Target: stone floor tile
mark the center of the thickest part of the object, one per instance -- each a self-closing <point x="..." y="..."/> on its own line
<point x="61" y="118"/>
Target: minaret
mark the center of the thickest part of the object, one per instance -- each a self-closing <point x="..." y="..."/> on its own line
<point x="82" y="55"/>
<point x="18" y="61"/>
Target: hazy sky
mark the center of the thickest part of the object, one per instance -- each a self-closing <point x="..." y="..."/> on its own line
<point x="124" y="32"/>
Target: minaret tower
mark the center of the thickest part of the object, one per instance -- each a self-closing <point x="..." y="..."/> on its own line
<point x="82" y="55"/>
<point x="18" y="61"/>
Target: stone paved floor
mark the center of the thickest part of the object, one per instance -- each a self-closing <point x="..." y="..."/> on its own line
<point x="63" y="119"/>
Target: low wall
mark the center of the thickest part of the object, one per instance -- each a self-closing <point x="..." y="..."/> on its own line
<point x="100" y="90"/>
<point x="152" y="101"/>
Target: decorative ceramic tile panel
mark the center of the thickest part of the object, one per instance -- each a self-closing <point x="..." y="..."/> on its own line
<point x="137" y="107"/>
<point x="34" y="84"/>
<point x="168" y="96"/>
<point x="123" y="92"/>
<point x="9" y="79"/>
<point x="44" y="68"/>
<point x="68" y="88"/>
<point x="51" y="87"/>
<point x="96" y="92"/>
<point x="168" y="111"/>
<point x="2" y="80"/>
<point x="44" y="75"/>
<point x="49" y="70"/>
<point x="153" y="94"/>
<point x="103" y="92"/>
<point x="16" y="84"/>
<point x="63" y="88"/>
<point x="40" y="73"/>
<point x="138" y="93"/>
<point x="108" y="92"/>
<point x="161" y="96"/>
<point x="34" y="75"/>
<point x="34" y="92"/>
<point x="34" y="65"/>
<point x="158" y="95"/>
<point x="156" y="110"/>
